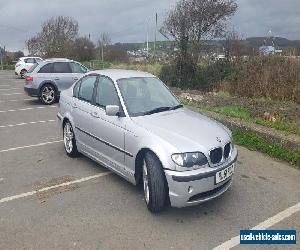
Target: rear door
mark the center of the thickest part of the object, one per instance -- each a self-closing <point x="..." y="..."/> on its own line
<point x="62" y="75"/>
<point x="83" y="93"/>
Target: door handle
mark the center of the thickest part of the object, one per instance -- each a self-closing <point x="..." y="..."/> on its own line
<point x="75" y="78"/>
<point x="95" y="114"/>
<point x="56" y="79"/>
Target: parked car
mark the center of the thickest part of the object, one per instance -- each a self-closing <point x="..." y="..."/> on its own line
<point x="47" y="79"/>
<point x="24" y="64"/>
<point x="131" y="123"/>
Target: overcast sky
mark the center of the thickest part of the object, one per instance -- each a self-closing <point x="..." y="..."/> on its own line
<point x="128" y="20"/>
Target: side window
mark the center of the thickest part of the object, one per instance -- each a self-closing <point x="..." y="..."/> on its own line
<point x="87" y="88"/>
<point x="76" y="89"/>
<point x="61" y="67"/>
<point x="106" y="93"/>
<point x="30" y="60"/>
<point x="77" y="68"/>
<point x="48" y="68"/>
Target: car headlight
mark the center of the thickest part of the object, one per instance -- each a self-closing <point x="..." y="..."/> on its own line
<point x="188" y="160"/>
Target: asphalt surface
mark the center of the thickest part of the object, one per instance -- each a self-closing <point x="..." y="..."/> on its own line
<point x="106" y="212"/>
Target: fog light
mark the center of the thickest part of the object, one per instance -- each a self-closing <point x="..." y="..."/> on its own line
<point x="190" y="189"/>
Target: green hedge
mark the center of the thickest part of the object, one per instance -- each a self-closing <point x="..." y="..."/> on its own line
<point x="7" y="67"/>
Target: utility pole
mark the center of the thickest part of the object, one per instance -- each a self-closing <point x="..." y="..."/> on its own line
<point x="155" y="36"/>
<point x="2" y="53"/>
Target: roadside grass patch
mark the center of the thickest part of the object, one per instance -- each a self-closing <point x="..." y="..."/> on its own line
<point x="255" y="142"/>
<point x="243" y="113"/>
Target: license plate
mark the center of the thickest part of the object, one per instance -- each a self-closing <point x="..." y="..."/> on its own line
<point x="224" y="174"/>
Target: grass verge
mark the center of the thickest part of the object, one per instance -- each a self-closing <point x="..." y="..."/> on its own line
<point x="253" y="141"/>
<point x="244" y="114"/>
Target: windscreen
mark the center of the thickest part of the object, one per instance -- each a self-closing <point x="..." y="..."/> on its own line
<point x="145" y="94"/>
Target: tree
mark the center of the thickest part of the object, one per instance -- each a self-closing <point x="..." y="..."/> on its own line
<point x="55" y="38"/>
<point x="194" y="20"/>
<point x="190" y="22"/>
<point x="83" y="49"/>
<point x="114" y="54"/>
<point x="103" y="41"/>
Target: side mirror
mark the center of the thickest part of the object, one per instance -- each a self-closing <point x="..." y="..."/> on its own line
<point x="112" y="110"/>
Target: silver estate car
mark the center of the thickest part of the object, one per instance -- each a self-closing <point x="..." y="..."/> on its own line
<point x="48" y="78"/>
<point x="131" y="123"/>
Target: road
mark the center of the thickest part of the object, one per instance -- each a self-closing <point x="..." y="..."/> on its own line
<point x="82" y="205"/>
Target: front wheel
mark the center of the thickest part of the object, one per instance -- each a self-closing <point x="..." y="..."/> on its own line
<point x="48" y="94"/>
<point x="69" y="140"/>
<point x="154" y="183"/>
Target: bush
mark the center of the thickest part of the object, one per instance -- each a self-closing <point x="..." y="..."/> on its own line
<point x="200" y="77"/>
<point x="7" y="67"/>
<point x="272" y="77"/>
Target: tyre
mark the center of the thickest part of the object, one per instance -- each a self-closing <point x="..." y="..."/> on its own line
<point x="23" y="73"/>
<point x="69" y="140"/>
<point x="154" y="183"/>
<point x="48" y="94"/>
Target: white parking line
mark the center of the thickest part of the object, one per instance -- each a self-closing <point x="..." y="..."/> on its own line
<point x="25" y="123"/>
<point x="19" y="196"/>
<point x="29" y="146"/>
<point x="25" y="109"/>
<point x="13" y="94"/>
<point x="16" y="100"/>
<point x="11" y="89"/>
<point x="233" y="242"/>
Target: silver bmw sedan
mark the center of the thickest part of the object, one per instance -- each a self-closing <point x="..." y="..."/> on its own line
<point x="130" y="122"/>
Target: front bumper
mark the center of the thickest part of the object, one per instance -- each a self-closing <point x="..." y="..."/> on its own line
<point x="202" y="185"/>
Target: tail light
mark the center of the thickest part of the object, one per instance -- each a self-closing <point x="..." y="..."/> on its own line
<point x="28" y="78"/>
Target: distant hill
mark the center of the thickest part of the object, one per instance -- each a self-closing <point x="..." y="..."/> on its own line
<point x="279" y="42"/>
<point x="254" y="42"/>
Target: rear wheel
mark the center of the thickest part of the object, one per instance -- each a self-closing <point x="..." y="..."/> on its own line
<point x="69" y="140"/>
<point x="154" y="184"/>
<point x="48" y="94"/>
<point x="23" y="73"/>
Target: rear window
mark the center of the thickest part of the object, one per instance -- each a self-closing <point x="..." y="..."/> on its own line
<point x="48" y="68"/>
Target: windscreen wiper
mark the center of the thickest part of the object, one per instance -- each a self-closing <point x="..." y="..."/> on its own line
<point x="157" y="110"/>
<point x="161" y="109"/>
<point x="176" y="107"/>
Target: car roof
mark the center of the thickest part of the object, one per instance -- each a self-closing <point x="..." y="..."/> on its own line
<point x="25" y="57"/>
<point x="116" y="74"/>
<point x="58" y="60"/>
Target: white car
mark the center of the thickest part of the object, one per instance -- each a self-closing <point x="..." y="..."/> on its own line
<point x="24" y="64"/>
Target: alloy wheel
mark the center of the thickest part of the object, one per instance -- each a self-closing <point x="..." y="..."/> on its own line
<point x="146" y="183"/>
<point x="68" y="137"/>
<point x="48" y="94"/>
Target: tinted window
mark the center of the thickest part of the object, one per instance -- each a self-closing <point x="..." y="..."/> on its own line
<point x="86" y="88"/>
<point x="61" y="67"/>
<point x="48" y="68"/>
<point x="77" y="68"/>
<point x="76" y="89"/>
<point x="106" y="93"/>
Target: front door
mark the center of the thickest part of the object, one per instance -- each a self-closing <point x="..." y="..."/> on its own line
<point x="109" y="131"/>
